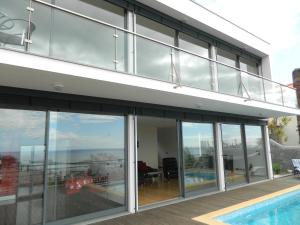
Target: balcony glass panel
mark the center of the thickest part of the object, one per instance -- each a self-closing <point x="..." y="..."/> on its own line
<point x="273" y="92"/>
<point x="289" y="97"/>
<point x="78" y="39"/>
<point x="252" y="87"/>
<point x="195" y="71"/>
<point x="100" y="10"/>
<point x="14" y="23"/>
<point x="153" y="60"/>
<point x="229" y="80"/>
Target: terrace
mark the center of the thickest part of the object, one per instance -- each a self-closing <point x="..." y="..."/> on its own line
<point x="183" y="212"/>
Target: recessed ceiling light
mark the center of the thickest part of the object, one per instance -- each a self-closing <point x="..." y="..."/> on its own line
<point x="58" y="86"/>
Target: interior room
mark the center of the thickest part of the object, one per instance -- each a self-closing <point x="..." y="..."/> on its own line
<point x="157" y="150"/>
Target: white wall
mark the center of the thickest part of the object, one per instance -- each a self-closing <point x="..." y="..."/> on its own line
<point x="167" y="143"/>
<point x="148" y="145"/>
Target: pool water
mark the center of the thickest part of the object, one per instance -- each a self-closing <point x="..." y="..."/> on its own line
<point x="281" y="210"/>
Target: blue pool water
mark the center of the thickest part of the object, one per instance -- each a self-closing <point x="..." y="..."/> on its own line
<point x="202" y="175"/>
<point x="281" y="210"/>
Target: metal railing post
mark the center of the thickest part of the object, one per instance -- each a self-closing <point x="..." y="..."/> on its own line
<point x="27" y="40"/>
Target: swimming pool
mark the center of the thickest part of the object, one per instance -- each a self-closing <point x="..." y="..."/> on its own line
<point x="281" y="210"/>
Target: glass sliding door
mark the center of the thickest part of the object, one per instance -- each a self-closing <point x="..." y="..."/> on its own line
<point x="86" y="165"/>
<point x="158" y="162"/>
<point x="255" y="153"/>
<point x="22" y="151"/>
<point x="233" y="155"/>
<point x="199" y="157"/>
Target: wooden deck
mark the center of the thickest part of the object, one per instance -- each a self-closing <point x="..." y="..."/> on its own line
<point x="183" y="212"/>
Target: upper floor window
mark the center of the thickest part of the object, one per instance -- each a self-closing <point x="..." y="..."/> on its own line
<point x="193" y="45"/>
<point x="100" y="10"/>
<point x="226" y="57"/>
<point x="249" y="65"/>
<point x="157" y="31"/>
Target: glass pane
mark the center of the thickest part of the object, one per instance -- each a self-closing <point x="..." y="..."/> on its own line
<point x="195" y="71"/>
<point x="199" y="157"/>
<point x="13" y="23"/>
<point x="152" y="29"/>
<point x="273" y="92"/>
<point x="153" y="60"/>
<point x="256" y="153"/>
<point x="41" y="36"/>
<point x="233" y="155"/>
<point x="193" y="45"/>
<point x="226" y="57"/>
<point x="100" y="10"/>
<point x="248" y="65"/>
<point x="229" y="80"/>
<point x="78" y="40"/>
<point x="289" y="97"/>
<point x="86" y="168"/>
<point x="254" y="87"/>
<point x="22" y="150"/>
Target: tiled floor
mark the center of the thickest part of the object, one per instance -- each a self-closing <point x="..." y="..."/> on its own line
<point x="183" y="212"/>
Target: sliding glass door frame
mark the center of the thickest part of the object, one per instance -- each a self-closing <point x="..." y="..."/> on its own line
<point x="44" y="196"/>
<point x="94" y="215"/>
<point x="197" y="193"/>
<point x="263" y="137"/>
<point x="227" y="187"/>
<point x="245" y="151"/>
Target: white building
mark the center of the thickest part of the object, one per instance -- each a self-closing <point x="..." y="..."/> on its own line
<point x="109" y="107"/>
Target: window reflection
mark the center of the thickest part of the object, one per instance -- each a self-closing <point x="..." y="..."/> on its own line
<point x="85" y="164"/>
<point x="256" y="153"/>
<point x="199" y="157"/>
<point x="233" y="155"/>
<point x="100" y="10"/>
<point x="22" y="150"/>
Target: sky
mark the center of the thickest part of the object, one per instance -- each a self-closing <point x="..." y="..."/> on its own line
<point x="277" y="22"/>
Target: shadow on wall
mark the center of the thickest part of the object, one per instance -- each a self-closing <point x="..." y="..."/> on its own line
<point x="282" y="155"/>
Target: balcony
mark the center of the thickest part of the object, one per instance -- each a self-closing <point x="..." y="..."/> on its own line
<point x="46" y="30"/>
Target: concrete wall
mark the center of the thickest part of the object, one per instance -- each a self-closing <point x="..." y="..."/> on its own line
<point x="283" y="154"/>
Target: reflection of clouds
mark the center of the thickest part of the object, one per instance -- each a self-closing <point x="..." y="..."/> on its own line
<point x="90" y="118"/>
<point x="74" y="140"/>
<point x="29" y="122"/>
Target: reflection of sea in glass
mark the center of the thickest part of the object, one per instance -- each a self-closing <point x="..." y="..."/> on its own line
<point x="85" y="164"/>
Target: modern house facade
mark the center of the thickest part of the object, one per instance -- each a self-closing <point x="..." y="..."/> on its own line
<point x="112" y="107"/>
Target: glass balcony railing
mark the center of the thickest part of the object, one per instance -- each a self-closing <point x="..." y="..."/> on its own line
<point x="43" y="29"/>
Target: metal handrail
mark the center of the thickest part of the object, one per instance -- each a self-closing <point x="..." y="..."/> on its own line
<point x="154" y="40"/>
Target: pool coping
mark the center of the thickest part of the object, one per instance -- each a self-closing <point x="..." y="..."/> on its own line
<point x="210" y="218"/>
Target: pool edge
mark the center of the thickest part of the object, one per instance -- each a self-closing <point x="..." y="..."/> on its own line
<point x="209" y="218"/>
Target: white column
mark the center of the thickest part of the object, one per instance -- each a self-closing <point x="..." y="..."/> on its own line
<point x="130" y="18"/>
<point x="220" y="162"/>
<point x="214" y="71"/>
<point x="131" y="164"/>
<point x="268" y="153"/>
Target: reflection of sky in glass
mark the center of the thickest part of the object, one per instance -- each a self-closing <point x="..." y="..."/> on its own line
<point x="231" y="134"/>
<point x="19" y="128"/>
<point x="193" y="133"/>
<point x="74" y="131"/>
